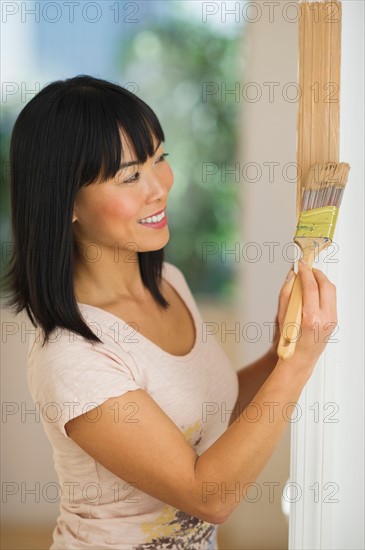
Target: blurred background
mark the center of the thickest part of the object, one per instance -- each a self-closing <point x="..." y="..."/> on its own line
<point x="218" y="76"/>
<point x="166" y="54"/>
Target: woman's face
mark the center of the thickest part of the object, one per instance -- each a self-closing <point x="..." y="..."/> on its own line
<point x="108" y="213"/>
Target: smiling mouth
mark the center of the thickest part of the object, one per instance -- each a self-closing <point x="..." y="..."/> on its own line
<point x="155" y="218"/>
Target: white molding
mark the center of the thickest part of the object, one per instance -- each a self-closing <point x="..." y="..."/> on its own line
<point x="307" y="460"/>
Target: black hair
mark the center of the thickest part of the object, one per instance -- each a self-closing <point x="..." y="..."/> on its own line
<point x="66" y="137"/>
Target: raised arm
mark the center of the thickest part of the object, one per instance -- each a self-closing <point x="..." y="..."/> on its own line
<point x="153" y="453"/>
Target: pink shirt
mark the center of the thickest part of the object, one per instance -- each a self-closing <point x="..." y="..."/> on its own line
<point x="68" y="377"/>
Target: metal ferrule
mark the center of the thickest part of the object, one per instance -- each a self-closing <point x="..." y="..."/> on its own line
<point x="318" y="222"/>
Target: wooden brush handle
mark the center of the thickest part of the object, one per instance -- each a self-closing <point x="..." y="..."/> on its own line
<point x="291" y="327"/>
<point x="292" y="322"/>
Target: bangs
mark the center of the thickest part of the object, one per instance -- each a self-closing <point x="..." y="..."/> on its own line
<point x="106" y="114"/>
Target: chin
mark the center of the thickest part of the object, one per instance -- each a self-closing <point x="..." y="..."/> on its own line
<point x="154" y="247"/>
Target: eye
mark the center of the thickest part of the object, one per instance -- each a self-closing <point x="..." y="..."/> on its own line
<point x="133" y="178"/>
<point x="162" y="157"/>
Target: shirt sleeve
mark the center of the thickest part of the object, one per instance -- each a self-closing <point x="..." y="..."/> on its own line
<point x="73" y="376"/>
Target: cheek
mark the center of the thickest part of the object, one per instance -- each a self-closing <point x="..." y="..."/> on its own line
<point x="168" y="176"/>
<point x="105" y="214"/>
<point x="119" y="209"/>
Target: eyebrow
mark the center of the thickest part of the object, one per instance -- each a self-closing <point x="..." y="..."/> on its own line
<point x="135" y="162"/>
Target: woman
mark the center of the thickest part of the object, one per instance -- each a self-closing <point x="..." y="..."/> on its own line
<point x="147" y="419"/>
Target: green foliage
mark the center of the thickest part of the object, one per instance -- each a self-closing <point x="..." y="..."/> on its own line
<point x="5" y="220"/>
<point x="172" y="62"/>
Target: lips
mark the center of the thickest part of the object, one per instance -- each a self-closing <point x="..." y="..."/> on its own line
<point x="150" y="215"/>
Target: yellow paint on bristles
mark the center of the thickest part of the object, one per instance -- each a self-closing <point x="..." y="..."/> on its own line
<point x="321" y="199"/>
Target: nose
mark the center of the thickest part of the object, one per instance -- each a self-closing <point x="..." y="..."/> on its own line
<point x="159" y="186"/>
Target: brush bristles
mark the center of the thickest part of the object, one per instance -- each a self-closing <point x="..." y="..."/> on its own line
<point x="325" y="185"/>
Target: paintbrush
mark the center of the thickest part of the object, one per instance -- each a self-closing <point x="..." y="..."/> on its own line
<point x="321" y="198"/>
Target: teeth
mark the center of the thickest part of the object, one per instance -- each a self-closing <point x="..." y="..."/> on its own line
<point x="153" y="219"/>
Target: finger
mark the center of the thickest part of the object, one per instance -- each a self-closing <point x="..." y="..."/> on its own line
<point x="309" y="289"/>
<point x="327" y="291"/>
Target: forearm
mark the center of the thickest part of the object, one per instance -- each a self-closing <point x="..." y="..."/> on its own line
<point x="250" y="379"/>
<point x="225" y="469"/>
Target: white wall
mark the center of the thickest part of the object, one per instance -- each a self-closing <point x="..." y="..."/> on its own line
<point x="268" y="136"/>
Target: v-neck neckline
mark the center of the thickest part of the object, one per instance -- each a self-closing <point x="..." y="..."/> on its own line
<point x="185" y="357"/>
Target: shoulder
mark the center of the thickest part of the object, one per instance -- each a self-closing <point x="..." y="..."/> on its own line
<point x="172" y="273"/>
<point x="176" y="278"/>
<point x="69" y="355"/>
<point x="72" y="373"/>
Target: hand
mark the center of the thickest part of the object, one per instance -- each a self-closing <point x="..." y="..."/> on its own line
<point x="319" y="314"/>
